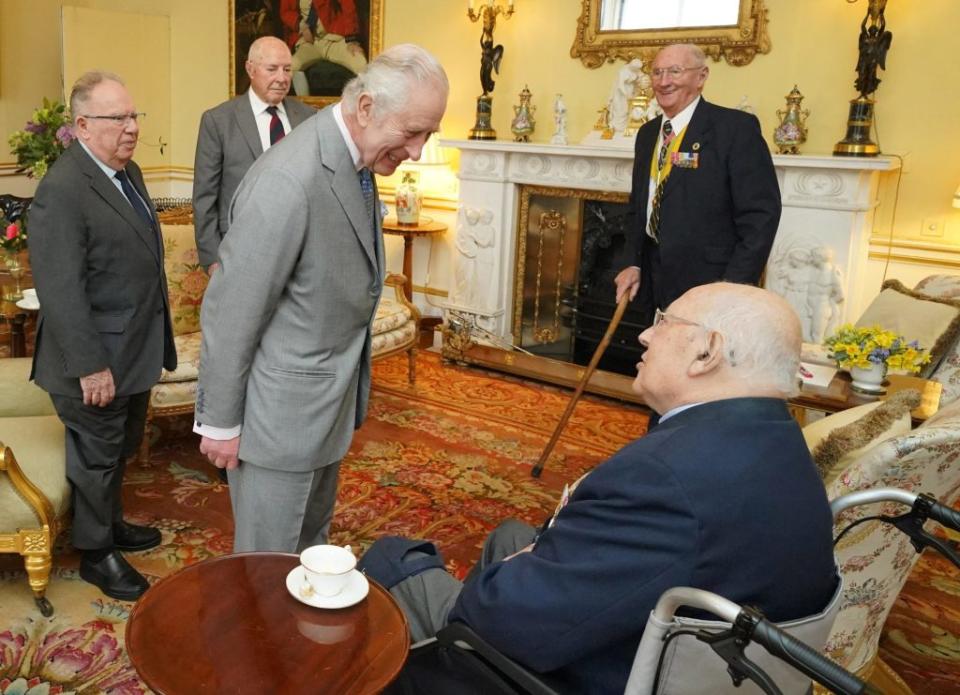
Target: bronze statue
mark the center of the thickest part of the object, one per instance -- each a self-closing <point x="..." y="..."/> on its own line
<point x="874" y="44"/>
<point x="490" y="55"/>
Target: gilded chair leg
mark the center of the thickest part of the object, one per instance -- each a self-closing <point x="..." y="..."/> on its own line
<point x="38" y="574"/>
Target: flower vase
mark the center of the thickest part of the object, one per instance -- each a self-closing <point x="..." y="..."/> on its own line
<point x="869" y="380"/>
<point x="409" y="200"/>
<point x="16" y="270"/>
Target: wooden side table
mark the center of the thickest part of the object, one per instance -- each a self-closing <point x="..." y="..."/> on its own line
<point x="839" y="395"/>
<point x="18" y="322"/>
<point x="228" y="625"/>
<point x="409" y="232"/>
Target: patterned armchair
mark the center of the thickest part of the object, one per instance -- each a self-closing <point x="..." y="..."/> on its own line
<point x="34" y="492"/>
<point x="396" y="327"/>
<point x="876" y="559"/>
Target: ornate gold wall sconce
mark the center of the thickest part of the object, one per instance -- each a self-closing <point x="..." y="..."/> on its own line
<point x="490" y="57"/>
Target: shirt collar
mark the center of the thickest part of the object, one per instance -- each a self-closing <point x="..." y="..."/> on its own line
<point x="259" y="105"/>
<point x="680" y="408"/>
<point x="682" y="119"/>
<point x="108" y="170"/>
<point x="351" y="145"/>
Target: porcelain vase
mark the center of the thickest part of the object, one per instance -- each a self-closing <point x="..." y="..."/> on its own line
<point x="409" y="199"/>
<point x="870" y="379"/>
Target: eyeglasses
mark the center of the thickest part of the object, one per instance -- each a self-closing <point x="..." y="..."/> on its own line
<point x="120" y="119"/>
<point x="661" y="316"/>
<point x="673" y="71"/>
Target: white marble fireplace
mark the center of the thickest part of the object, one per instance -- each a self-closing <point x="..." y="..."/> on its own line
<point x="828" y="205"/>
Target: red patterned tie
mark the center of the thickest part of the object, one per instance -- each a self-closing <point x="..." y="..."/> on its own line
<point x="276" y="127"/>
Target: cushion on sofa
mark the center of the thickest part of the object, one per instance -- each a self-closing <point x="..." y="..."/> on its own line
<point x="838" y="440"/>
<point x="37" y="443"/>
<point x="934" y="322"/>
<point x="186" y="278"/>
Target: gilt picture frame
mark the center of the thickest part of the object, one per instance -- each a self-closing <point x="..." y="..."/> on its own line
<point x="324" y="64"/>
<point x="737" y="44"/>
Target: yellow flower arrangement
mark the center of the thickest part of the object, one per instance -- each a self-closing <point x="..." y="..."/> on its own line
<point x="859" y="346"/>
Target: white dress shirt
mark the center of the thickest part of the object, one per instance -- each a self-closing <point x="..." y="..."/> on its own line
<point x="263" y="118"/>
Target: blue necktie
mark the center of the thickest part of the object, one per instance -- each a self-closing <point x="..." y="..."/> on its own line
<point x="135" y="201"/>
<point x="366" y="185"/>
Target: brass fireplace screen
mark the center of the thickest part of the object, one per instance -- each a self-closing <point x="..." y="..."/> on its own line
<point x="569" y="248"/>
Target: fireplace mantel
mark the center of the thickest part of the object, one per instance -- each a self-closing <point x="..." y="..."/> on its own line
<point x="827" y="202"/>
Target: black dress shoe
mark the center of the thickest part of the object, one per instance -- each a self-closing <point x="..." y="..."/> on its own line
<point x="113" y="575"/>
<point x="132" y="537"/>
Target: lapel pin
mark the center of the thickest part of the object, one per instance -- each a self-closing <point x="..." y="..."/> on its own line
<point x="696" y="146"/>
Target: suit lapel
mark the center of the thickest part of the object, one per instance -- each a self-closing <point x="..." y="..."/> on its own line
<point x="346" y="186"/>
<point x="295" y="114"/>
<point x="115" y="199"/>
<point x="248" y="125"/>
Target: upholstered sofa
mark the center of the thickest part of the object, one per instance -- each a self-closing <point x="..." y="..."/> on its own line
<point x="34" y="492"/>
<point x="395" y="329"/>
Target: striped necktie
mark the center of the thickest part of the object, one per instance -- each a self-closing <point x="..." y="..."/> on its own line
<point x="653" y="230"/>
<point x="276" y="126"/>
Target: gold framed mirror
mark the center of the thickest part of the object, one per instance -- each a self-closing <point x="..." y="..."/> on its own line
<point x="251" y="19"/>
<point x="609" y="30"/>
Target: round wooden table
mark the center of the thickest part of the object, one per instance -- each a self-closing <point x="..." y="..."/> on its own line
<point x="228" y="625"/>
<point x="426" y="227"/>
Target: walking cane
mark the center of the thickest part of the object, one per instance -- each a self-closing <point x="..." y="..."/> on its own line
<point x="598" y="353"/>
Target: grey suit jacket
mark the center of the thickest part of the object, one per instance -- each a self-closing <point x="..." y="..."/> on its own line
<point x="227" y="145"/>
<point x="286" y="318"/>
<point x="98" y="269"/>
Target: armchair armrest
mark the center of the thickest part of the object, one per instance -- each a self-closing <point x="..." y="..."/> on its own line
<point x="18" y="395"/>
<point x="397" y="281"/>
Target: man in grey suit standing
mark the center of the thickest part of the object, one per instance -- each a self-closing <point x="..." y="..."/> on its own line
<point x="233" y="134"/>
<point x="104" y="332"/>
<point x="285" y="362"/>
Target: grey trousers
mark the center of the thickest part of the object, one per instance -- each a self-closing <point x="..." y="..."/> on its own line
<point x="427" y="598"/>
<point x="279" y="510"/>
<point x="98" y="442"/>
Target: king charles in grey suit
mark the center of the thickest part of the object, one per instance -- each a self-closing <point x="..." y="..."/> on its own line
<point x="232" y="136"/>
<point x="285" y="361"/>
<point x="104" y="331"/>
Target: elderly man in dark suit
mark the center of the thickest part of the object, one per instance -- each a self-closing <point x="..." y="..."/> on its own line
<point x="721" y="495"/>
<point x="232" y="136"/>
<point x="705" y="193"/>
<point x="285" y="361"/>
<point x="104" y="331"/>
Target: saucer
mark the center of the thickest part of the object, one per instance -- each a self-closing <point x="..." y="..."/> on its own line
<point x="354" y="592"/>
<point x="28" y="305"/>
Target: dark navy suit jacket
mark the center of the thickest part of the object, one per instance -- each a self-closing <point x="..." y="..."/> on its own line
<point x="723" y="497"/>
<point x="718" y="220"/>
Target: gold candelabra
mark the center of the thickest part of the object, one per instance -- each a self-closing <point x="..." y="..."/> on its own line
<point x="490" y="57"/>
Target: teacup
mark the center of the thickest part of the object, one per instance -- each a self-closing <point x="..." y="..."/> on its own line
<point x="326" y="569"/>
<point x="30" y="295"/>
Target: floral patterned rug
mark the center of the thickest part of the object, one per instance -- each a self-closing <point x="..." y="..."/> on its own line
<point x="446" y="459"/>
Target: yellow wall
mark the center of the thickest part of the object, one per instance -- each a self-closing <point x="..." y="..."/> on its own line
<point x="814" y="45"/>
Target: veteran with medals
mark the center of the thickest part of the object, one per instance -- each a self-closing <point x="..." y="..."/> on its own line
<point x="705" y="193"/>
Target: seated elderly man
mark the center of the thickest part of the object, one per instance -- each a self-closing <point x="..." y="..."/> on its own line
<point x="721" y="495"/>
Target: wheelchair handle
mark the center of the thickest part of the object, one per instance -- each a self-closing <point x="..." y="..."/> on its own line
<point x="927" y="504"/>
<point x="807" y="660"/>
